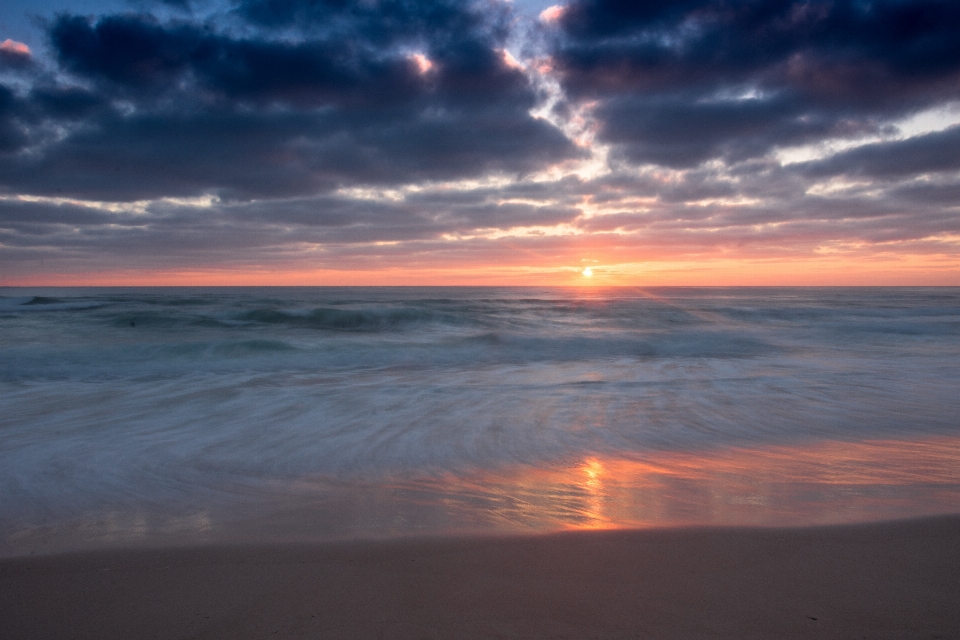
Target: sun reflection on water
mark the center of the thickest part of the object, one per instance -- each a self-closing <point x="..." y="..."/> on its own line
<point x="593" y="512"/>
<point x="818" y="483"/>
<point x="827" y="482"/>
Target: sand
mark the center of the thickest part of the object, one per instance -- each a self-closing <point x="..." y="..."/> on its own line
<point x="893" y="580"/>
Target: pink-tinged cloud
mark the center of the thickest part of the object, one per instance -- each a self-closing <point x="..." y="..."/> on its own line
<point x="422" y="62"/>
<point x="552" y="13"/>
<point x="12" y="47"/>
<point x="510" y="61"/>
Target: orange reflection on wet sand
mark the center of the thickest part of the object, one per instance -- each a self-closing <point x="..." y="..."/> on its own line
<point x="826" y="482"/>
<point x="816" y="483"/>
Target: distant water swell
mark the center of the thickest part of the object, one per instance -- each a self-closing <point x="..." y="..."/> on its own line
<point x="167" y="397"/>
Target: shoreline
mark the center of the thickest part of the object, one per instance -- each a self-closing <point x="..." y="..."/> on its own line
<point x="891" y="579"/>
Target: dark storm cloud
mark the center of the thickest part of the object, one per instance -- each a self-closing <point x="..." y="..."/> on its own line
<point x="931" y="153"/>
<point x="946" y="194"/>
<point x="765" y="209"/>
<point x="42" y="217"/>
<point x="297" y="99"/>
<point x="678" y="83"/>
<point x="133" y="54"/>
<point x="442" y="24"/>
<point x="684" y="130"/>
<point x="467" y="211"/>
<point x="14" y="56"/>
<point x="12" y="133"/>
<point x="190" y="234"/>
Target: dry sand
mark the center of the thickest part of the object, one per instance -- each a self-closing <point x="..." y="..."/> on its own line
<point x="894" y="580"/>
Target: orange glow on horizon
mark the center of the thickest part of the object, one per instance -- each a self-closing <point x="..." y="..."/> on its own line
<point x="917" y="270"/>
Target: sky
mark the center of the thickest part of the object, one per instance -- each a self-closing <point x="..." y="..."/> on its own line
<point x="392" y="142"/>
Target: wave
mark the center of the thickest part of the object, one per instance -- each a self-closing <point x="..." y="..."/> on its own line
<point x="369" y="319"/>
<point x="41" y="300"/>
<point x="685" y="344"/>
<point x="43" y="303"/>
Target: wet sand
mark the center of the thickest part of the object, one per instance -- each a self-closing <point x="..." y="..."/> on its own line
<point x="888" y="580"/>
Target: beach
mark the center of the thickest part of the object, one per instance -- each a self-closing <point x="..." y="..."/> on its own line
<point x="462" y="319"/>
<point x="888" y="580"/>
<point x="480" y="463"/>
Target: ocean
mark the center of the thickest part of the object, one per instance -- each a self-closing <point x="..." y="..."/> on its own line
<point x="189" y="415"/>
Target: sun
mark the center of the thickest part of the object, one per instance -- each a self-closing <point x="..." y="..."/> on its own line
<point x="588" y="272"/>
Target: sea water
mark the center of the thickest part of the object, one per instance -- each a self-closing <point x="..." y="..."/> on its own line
<point x="198" y="414"/>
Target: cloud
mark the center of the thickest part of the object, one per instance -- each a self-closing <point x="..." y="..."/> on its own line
<point x="11" y="50"/>
<point x="162" y="231"/>
<point x="182" y="107"/>
<point x="931" y="153"/>
<point x="678" y="83"/>
<point x="682" y="130"/>
<point x="552" y="14"/>
<point x="13" y="135"/>
<point x="354" y="135"/>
